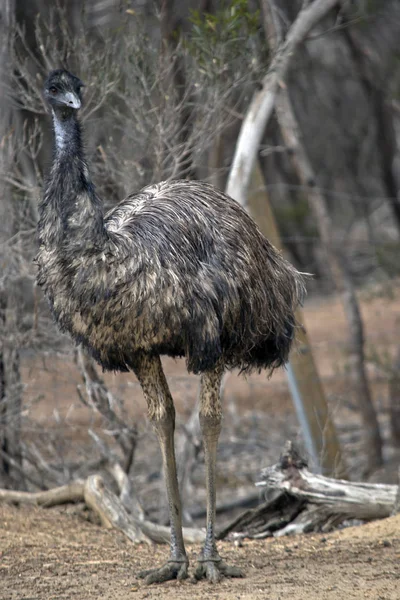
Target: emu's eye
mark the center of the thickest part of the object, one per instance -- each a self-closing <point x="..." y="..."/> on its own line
<point x="53" y="90"/>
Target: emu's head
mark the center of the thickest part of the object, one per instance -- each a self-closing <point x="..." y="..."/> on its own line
<point x="62" y="91"/>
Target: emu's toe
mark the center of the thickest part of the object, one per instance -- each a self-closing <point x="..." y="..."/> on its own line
<point x="171" y="570"/>
<point x="213" y="569"/>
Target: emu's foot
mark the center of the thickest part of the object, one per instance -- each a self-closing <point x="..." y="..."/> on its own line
<point x="173" y="569"/>
<point x="212" y="568"/>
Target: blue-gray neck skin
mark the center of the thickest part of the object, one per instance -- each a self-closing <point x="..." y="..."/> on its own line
<point x="67" y="134"/>
<point x="70" y="212"/>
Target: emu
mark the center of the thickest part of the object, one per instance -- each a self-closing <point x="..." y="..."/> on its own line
<point x="177" y="269"/>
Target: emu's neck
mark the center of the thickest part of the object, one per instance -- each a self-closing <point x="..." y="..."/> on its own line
<point x="70" y="212"/>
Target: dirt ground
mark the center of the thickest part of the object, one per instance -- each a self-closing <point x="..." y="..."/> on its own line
<point x="55" y="554"/>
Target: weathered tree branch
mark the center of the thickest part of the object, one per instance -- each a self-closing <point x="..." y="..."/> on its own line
<point x="263" y="102"/>
<point x="303" y="501"/>
<point x="328" y="501"/>
<point x="342" y="279"/>
<point x="350" y="500"/>
<point x="106" y="505"/>
<point x="300" y="501"/>
<point x="126" y="494"/>
<point x="65" y="494"/>
<point x="100" y="399"/>
<point x="110" y="509"/>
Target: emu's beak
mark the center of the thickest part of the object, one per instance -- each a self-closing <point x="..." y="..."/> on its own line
<point x="70" y="99"/>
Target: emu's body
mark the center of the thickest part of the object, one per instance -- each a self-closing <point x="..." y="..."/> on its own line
<point x="177" y="269"/>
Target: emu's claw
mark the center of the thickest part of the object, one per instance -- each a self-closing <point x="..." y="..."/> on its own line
<point x="171" y="570"/>
<point x="213" y="570"/>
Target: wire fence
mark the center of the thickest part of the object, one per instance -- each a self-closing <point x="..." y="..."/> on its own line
<point x="257" y="411"/>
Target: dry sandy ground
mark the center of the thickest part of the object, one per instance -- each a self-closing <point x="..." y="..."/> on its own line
<point x="56" y="555"/>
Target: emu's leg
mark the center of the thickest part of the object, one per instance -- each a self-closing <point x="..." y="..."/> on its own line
<point x="210" y="564"/>
<point x="162" y="414"/>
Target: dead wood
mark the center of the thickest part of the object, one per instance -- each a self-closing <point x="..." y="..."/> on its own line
<point x="64" y="494"/>
<point x="304" y="501"/>
<point x="110" y="509"/>
<point x="128" y="498"/>
<point x="112" y="514"/>
<point x="106" y="505"/>
<point x="396" y="506"/>
<point x="266" y="519"/>
<point x="100" y="399"/>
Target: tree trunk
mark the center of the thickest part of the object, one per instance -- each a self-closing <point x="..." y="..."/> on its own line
<point x="263" y="102"/>
<point x="336" y="260"/>
<point x="10" y="384"/>
<point x="341" y="277"/>
<point x="252" y="130"/>
<point x="374" y="82"/>
<point x="341" y="123"/>
<point x="308" y="395"/>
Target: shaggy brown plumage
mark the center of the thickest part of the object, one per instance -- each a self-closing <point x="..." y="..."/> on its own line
<point x="178" y="268"/>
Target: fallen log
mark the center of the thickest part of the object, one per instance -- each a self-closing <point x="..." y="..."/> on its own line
<point x="106" y="505"/>
<point x="265" y="520"/>
<point x="110" y="509"/>
<point x="301" y="502"/>
<point x="64" y="494"/>
<point x="304" y="501"/>
<point x="352" y="500"/>
<point x="113" y="514"/>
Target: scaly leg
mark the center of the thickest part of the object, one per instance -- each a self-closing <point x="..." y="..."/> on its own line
<point x="161" y="413"/>
<point x="210" y="564"/>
